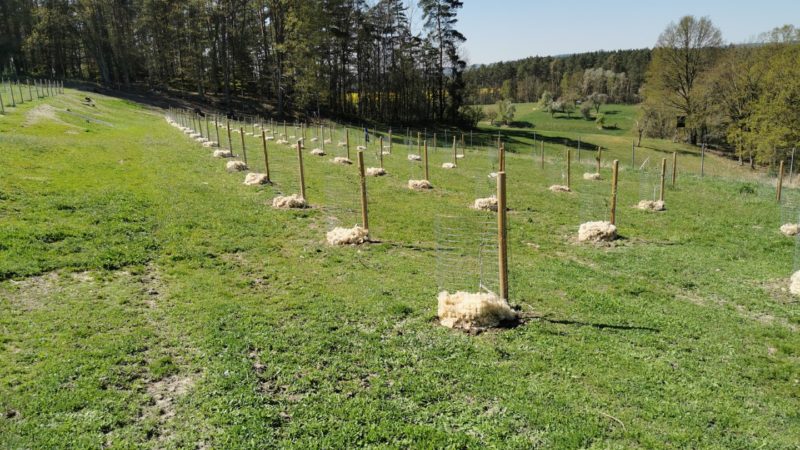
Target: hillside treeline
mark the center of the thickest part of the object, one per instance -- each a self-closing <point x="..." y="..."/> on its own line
<point x="618" y="74"/>
<point x="741" y="98"/>
<point x="330" y="57"/>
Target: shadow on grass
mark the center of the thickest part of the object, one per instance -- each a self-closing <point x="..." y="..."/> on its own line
<point x="525" y="318"/>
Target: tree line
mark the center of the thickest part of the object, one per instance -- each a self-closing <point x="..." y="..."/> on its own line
<point x="328" y="57"/>
<point x="617" y="74"/>
<point x="741" y="98"/>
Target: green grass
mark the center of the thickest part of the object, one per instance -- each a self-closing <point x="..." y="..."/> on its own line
<point x="150" y="300"/>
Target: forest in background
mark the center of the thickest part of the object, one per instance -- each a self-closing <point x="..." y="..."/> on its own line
<point x="345" y="58"/>
<point x="370" y="61"/>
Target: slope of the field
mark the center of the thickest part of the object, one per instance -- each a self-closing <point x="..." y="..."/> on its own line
<point x="533" y="125"/>
<point x="151" y="300"/>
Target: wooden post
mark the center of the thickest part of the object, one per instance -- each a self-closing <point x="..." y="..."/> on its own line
<point x="11" y="90"/>
<point x="347" y="141"/>
<point x="302" y="174"/>
<point x="579" y="150"/>
<point x="21" y="97"/>
<point x="614" y="179"/>
<point x="390" y="141"/>
<point x="435" y="141"/>
<point x="285" y="133"/>
<point x="230" y="142"/>
<point x="502" y="235"/>
<point x="599" y="158"/>
<point x="30" y="91"/>
<point x="244" y="148"/>
<point x="216" y="127"/>
<point x="463" y="149"/>
<point x="380" y="152"/>
<point x="266" y="155"/>
<point x="363" y="183"/>
<point x="425" y="157"/>
<point x="569" y="169"/>
<point x="419" y="142"/>
<point x="663" y="178"/>
<point x="674" y="167"/>
<point x="633" y="155"/>
<point x="780" y="182"/>
<point x="455" y="151"/>
<point x="791" y="167"/>
<point x="502" y="157"/>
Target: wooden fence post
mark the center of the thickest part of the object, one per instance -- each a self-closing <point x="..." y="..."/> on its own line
<point x="663" y="178"/>
<point x="266" y="154"/>
<point x="599" y="158"/>
<point x="363" y="183"/>
<point x="569" y="169"/>
<point x="674" y="167"/>
<point x="244" y="148"/>
<point x="230" y="142"/>
<point x="502" y="235"/>
<point x="302" y="174"/>
<point x="780" y="182"/>
<point x="347" y="141"/>
<point x="614" y="180"/>
<point x="455" y="151"/>
<point x="425" y="157"/>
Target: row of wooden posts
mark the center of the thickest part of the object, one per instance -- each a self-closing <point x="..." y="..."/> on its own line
<point x="422" y="147"/>
<point x="42" y="88"/>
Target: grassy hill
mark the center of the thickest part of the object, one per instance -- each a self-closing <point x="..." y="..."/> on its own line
<point x="151" y="300"/>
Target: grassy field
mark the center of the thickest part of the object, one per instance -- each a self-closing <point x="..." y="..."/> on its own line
<point x="148" y="299"/>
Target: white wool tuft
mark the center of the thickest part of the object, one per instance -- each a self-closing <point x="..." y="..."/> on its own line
<point x="270" y="138"/>
<point x="194" y="135"/>
<point x="459" y="156"/>
<point x="235" y="130"/>
<point x="281" y="142"/>
<point x="223" y="154"/>
<point x="448" y="166"/>
<point x="375" y="172"/>
<point x="255" y="179"/>
<point x="328" y="141"/>
<point x="650" y="205"/>
<point x="361" y="147"/>
<point x="559" y="188"/>
<point x="485" y="204"/>
<point x="591" y="176"/>
<point x="600" y="231"/>
<point x="386" y="152"/>
<point x="466" y="310"/>
<point x="493" y="175"/>
<point x="188" y="131"/>
<point x="347" y="236"/>
<point x="342" y="160"/>
<point x="313" y="139"/>
<point x="293" y="201"/>
<point x="790" y="229"/>
<point x="340" y="144"/>
<point x="201" y="140"/>
<point x="414" y="158"/>
<point x="209" y="144"/>
<point x="235" y="166"/>
<point x="419" y="185"/>
<point x="317" y="152"/>
<point x="794" y="287"/>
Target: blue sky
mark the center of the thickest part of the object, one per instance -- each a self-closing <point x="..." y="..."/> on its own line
<point x="502" y="30"/>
